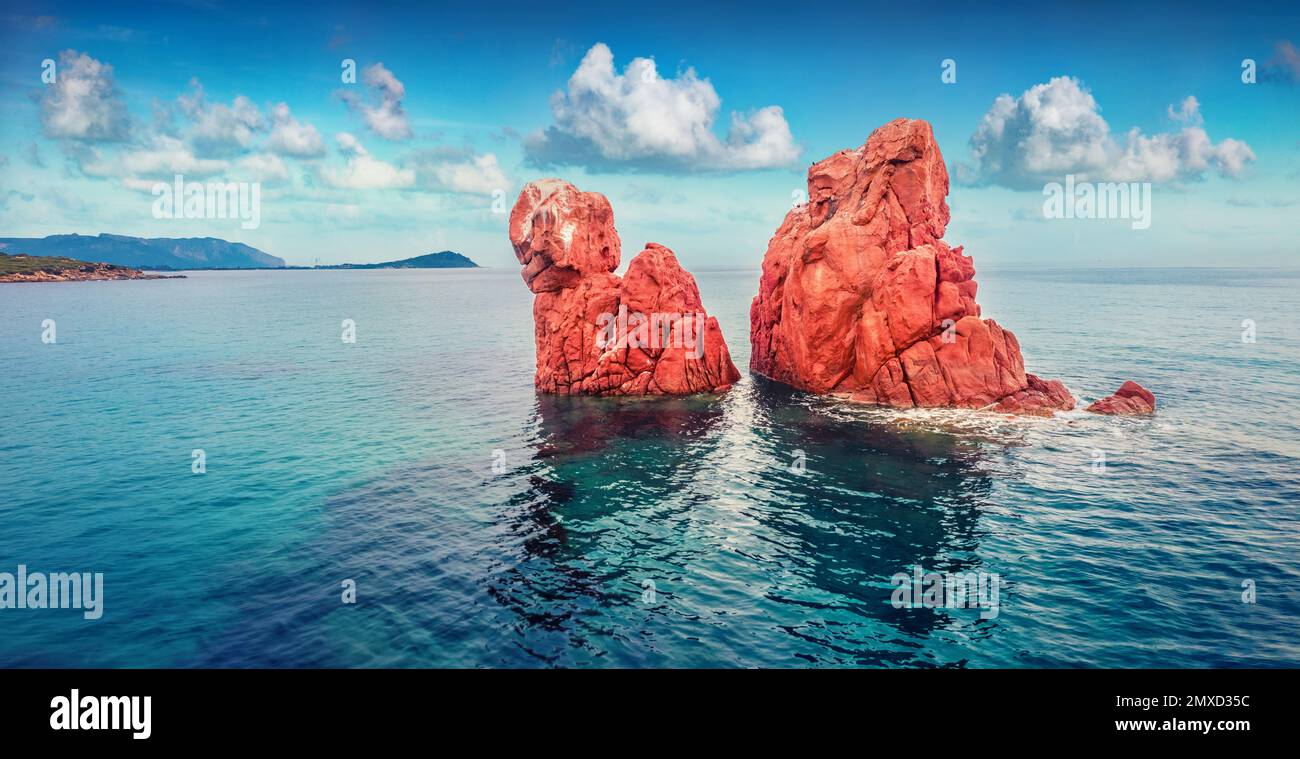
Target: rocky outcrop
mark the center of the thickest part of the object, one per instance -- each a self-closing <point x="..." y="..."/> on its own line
<point x="1040" y="397"/>
<point x="860" y="295"/>
<point x="24" y="268"/>
<point x="1130" y="400"/>
<point x="646" y="333"/>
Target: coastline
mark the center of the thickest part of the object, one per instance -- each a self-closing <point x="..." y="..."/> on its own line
<point x="92" y="273"/>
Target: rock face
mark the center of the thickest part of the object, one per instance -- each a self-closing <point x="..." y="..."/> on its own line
<point x="644" y="334"/>
<point x="1131" y="399"/>
<point x="860" y="295"/>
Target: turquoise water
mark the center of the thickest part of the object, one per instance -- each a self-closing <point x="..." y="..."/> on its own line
<point x="373" y="461"/>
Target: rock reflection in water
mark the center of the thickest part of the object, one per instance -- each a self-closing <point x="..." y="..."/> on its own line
<point x="702" y="490"/>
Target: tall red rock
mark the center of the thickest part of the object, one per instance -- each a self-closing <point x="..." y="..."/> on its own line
<point x="598" y="334"/>
<point x="861" y="296"/>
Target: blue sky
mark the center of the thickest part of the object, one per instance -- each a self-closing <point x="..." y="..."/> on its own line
<point x="703" y="154"/>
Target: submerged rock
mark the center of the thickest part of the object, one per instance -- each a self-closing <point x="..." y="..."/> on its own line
<point x="1130" y="400"/>
<point x="646" y="333"/>
<point x="860" y="295"/>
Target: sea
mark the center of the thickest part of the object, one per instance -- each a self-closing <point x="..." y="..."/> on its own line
<point x="256" y="490"/>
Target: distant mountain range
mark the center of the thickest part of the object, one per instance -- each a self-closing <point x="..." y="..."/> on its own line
<point x="445" y="259"/>
<point x="176" y="253"/>
<point x="146" y="253"/>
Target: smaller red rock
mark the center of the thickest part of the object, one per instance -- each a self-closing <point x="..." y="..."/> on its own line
<point x="1130" y="400"/>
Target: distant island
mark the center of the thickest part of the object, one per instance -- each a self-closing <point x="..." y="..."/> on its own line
<point x="163" y="253"/>
<point x="445" y="259"/>
<point x="183" y="253"/>
<point x="24" y="268"/>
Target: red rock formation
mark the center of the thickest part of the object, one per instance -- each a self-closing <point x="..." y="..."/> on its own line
<point x="861" y="296"/>
<point x="644" y="334"/>
<point x="1131" y="399"/>
<point x="1041" y="398"/>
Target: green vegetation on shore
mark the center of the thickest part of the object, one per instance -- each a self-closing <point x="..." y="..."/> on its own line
<point x="22" y="264"/>
<point x="24" y="268"/>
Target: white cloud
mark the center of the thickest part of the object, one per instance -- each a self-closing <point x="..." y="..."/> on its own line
<point x="222" y="140"/>
<point x="364" y="171"/>
<point x="387" y="119"/>
<point x="139" y="185"/>
<point x="83" y="102"/>
<point x="263" y="167"/>
<point x="292" y="137"/>
<point x="640" y="120"/>
<point x="349" y="144"/>
<point x="163" y="157"/>
<point x="459" y="170"/>
<point x="480" y="175"/>
<point x="220" y="128"/>
<point x="1189" y="111"/>
<point x="171" y="156"/>
<point x="1056" y="128"/>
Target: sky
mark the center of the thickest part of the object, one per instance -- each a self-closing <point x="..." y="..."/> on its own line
<point x="697" y="120"/>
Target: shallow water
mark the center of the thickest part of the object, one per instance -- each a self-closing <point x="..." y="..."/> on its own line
<point x="669" y="532"/>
